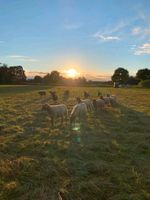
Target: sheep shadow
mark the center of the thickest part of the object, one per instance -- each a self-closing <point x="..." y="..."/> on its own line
<point x="85" y="152"/>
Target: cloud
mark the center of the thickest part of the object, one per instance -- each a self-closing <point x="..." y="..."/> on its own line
<point x="22" y="58"/>
<point x="99" y="36"/>
<point x="141" y="31"/>
<point x="98" y="77"/>
<point x="136" y="31"/>
<point x="142" y="50"/>
<point x="122" y="24"/>
<point x="72" y="26"/>
<point x="31" y="74"/>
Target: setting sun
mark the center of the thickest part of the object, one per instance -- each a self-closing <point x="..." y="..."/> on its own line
<point x="72" y="73"/>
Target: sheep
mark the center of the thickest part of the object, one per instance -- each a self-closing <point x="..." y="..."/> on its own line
<point x="54" y="96"/>
<point x="56" y="111"/>
<point x="42" y="93"/>
<point x="98" y="104"/>
<point x="106" y="100"/>
<point x="86" y="95"/>
<point x="80" y="111"/>
<point x="87" y="102"/>
<point x="113" y="99"/>
<point x="66" y="95"/>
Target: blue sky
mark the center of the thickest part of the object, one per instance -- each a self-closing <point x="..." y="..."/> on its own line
<point x="92" y="36"/>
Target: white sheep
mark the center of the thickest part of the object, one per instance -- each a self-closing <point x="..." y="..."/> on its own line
<point x="113" y="99"/>
<point x="88" y="103"/>
<point x="106" y="100"/>
<point x="98" y="104"/>
<point x="78" y="111"/>
<point x="56" y="111"/>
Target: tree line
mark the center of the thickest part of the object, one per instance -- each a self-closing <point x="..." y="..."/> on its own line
<point x="12" y="74"/>
<point x="16" y="75"/>
<point x="121" y="76"/>
<point x="55" y="78"/>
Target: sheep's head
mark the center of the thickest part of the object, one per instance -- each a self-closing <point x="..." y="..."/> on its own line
<point x="94" y="104"/>
<point x="78" y="100"/>
<point x="108" y="95"/>
<point x="46" y="107"/>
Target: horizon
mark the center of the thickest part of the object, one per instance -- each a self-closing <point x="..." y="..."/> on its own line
<point x="93" y="38"/>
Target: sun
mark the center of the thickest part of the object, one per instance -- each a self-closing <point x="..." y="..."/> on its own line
<point x="72" y="73"/>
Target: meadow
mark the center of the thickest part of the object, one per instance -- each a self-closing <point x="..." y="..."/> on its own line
<point x="108" y="158"/>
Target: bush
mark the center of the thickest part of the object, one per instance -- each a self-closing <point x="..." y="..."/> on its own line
<point x="145" y="84"/>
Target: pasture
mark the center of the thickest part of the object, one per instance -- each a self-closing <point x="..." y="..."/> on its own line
<point x="106" y="159"/>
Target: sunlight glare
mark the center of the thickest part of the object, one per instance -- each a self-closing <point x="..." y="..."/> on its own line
<point x="72" y="73"/>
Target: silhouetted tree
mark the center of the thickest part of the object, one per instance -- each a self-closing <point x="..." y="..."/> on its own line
<point x="37" y="79"/>
<point x="120" y="76"/>
<point x="14" y="74"/>
<point x="132" y="80"/>
<point x="143" y="74"/>
<point x="47" y="78"/>
<point x="17" y="74"/>
<point x="55" y="77"/>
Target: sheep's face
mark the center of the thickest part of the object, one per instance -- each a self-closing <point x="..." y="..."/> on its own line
<point x="45" y="107"/>
<point x="78" y="100"/>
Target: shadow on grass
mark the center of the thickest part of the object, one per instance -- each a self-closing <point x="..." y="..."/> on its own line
<point x="107" y="158"/>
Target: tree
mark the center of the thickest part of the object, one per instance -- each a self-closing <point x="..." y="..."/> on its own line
<point x="47" y="78"/>
<point x="132" y="80"/>
<point x="14" y="74"/>
<point x="120" y="76"/>
<point x="17" y="74"/>
<point x="4" y="74"/>
<point x="143" y="74"/>
<point x="37" y="79"/>
<point x="55" y="77"/>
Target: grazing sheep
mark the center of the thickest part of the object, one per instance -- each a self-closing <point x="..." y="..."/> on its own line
<point x="56" y="111"/>
<point x="78" y="111"/>
<point x="54" y="96"/>
<point x="113" y="99"/>
<point x="42" y="93"/>
<point x="98" y="104"/>
<point x="106" y="100"/>
<point x="66" y="95"/>
<point x="86" y="95"/>
<point x="87" y="102"/>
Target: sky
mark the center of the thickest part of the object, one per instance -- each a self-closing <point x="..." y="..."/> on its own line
<point x="92" y="36"/>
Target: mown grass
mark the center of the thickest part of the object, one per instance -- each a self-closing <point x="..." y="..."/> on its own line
<point x="106" y="159"/>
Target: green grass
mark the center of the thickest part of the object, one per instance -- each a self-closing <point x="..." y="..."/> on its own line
<point x="106" y="159"/>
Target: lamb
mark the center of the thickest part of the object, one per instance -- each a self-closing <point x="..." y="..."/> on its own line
<point x="80" y="111"/>
<point x="87" y="102"/>
<point x="98" y="104"/>
<point x="54" y="96"/>
<point x="42" y="93"/>
<point x="56" y="111"/>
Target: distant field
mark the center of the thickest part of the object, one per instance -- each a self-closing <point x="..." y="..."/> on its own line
<point x="106" y="159"/>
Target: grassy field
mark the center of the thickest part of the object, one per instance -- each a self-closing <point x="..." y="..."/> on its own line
<point x="106" y="159"/>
